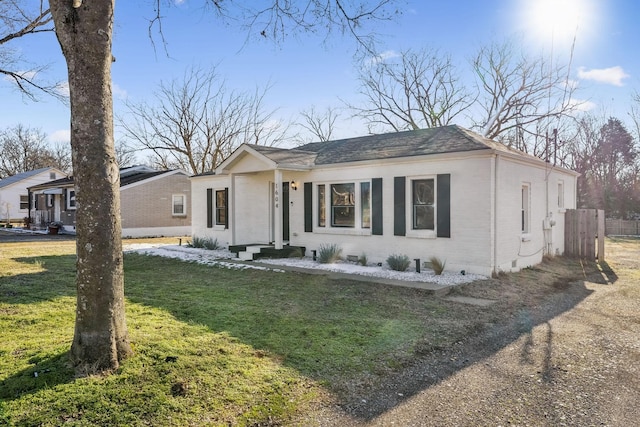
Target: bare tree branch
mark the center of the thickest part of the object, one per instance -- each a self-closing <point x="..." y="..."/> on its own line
<point x="423" y="90"/>
<point x="196" y="123"/>
<point x="16" y="21"/>
<point x="320" y="124"/>
<point x="518" y="92"/>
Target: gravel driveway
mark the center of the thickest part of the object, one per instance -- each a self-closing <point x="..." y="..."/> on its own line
<point x="573" y="361"/>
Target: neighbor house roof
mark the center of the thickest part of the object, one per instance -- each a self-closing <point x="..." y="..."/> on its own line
<point x="21" y="176"/>
<point x="127" y="178"/>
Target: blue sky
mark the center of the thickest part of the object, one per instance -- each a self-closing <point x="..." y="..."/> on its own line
<point x="304" y="72"/>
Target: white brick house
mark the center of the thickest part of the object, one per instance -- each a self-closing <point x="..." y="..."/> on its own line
<point x="14" y="196"/>
<point x="444" y="192"/>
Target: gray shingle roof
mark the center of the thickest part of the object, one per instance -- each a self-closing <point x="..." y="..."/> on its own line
<point x="20" y="176"/>
<point x="446" y="139"/>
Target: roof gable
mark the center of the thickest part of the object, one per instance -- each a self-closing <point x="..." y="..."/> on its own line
<point x="24" y="175"/>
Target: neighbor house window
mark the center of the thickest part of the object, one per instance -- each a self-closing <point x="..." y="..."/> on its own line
<point x="24" y="202"/>
<point x="52" y="176"/>
<point x="561" y="194"/>
<point x="525" y="210"/>
<point x="179" y="205"/>
<point x="221" y="207"/>
<point x="322" y="206"/>
<point x="71" y="199"/>
<point x="365" y="204"/>
<point x="343" y="209"/>
<point x="423" y="201"/>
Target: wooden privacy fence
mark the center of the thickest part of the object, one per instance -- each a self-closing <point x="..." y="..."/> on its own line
<point x="583" y="227"/>
<point x="621" y="227"/>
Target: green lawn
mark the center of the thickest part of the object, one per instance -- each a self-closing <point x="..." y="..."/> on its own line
<point x="212" y="346"/>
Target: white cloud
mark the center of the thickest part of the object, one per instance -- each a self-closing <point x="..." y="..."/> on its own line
<point x="118" y="92"/>
<point x="384" y="56"/>
<point x="581" y="104"/>
<point x="611" y="75"/>
<point x="63" y="135"/>
<point x="63" y="89"/>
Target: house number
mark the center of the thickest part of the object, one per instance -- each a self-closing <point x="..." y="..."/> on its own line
<point x="276" y="197"/>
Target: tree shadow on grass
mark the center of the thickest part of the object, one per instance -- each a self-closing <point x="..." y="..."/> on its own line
<point x="44" y="373"/>
<point x="375" y="345"/>
<point x="55" y="278"/>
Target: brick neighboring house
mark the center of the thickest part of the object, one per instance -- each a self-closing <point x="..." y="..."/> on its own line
<point x="152" y="202"/>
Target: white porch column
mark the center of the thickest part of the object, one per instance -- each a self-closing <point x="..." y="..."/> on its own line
<point x="277" y="208"/>
<point x="232" y="207"/>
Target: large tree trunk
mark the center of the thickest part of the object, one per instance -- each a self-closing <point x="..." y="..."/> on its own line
<point x="100" y="341"/>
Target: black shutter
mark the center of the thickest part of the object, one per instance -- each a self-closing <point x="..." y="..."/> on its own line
<point x="399" y="206"/>
<point x="226" y="207"/>
<point x="209" y="207"/>
<point x="376" y="206"/>
<point x="308" y="207"/>
<point x="444" y="205"/>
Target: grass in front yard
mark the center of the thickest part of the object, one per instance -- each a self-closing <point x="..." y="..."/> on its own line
<point x="225" y="347"/>
<point x="212" y="346"/>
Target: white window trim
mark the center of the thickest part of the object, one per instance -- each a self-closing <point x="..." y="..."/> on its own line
<point x="68" y="199"/>
<point x="357" y="229"/>
<point x="216" y="224"/>
<point x="184" y="204"/>
<point x="561" y="194"/>
<point x="526" y="229"/>
<point x="20" y="202"/>
<point x="411" y="232"/>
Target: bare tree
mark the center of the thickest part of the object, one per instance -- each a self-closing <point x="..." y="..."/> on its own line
<point x="195" y="123"/>
<point x="517" y="93"/>
<point x="125" y="155"/>
<point x="24" y="149"/>
<point x="84" y="30"/>
<point x="21" y="19"/>
<point x="422" y="90"/>
<point x="320" y="124"/>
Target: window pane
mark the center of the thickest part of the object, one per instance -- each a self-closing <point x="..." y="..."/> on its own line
<point x="322" y="208"/>
<point x="343" y="205"/>
<point x="343" y="216"/>
<point x="365" y="203"/>
<point x="423" y="218"/>
<point x="423" y="204"/>
<point x="221" y="207"/>
<point x="24" y="202"/>
<point x="178" y="205"/>
<point x="423" y="192"/>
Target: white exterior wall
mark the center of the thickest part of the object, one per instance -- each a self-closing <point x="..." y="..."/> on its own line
<point x="10" y="195"/>
<point x="485" y="208"/>
<point x="468" y="248"/>
<point x="199" y="185"/>
<point x="516" y="250"/>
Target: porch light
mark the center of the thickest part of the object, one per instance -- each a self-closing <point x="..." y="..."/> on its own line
<point x="294" y="185"/>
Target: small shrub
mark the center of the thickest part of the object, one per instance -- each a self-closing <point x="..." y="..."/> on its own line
<point x="398" y="262"/>
<point x="328" y="254"/>
<point x="437" y="265"/>
<point x="363" y="260"/>
<point x="204" y="243"/>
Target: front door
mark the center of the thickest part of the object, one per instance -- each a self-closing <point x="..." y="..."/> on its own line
<point x="285" y="211"/>
<point x="284" y="199"/>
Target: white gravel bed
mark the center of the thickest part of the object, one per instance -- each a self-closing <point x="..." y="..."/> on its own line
<point x="224" y="258"/>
